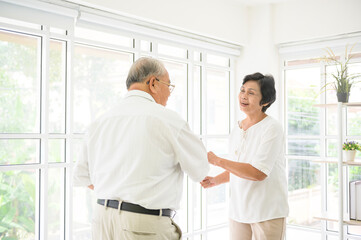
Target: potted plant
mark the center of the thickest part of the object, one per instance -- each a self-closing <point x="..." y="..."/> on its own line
<point x="349" y="150"/>
<point x="343" y="80"/>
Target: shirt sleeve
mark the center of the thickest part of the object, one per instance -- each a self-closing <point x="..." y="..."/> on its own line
<point x="270" y="146"/>
<point x="191" y="154"/>
<point x="81" y="174"/>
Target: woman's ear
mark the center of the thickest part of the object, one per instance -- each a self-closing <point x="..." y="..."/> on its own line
<point x="265" y="104"/>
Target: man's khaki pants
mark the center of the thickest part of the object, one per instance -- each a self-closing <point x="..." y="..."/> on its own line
<point x="273" y="229"/>
<point x="112" y="224"/>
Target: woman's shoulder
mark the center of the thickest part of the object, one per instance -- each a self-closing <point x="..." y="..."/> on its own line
<point x="272" y="124"/>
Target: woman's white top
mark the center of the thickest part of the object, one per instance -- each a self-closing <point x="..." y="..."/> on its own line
<point x="262" y="146"/>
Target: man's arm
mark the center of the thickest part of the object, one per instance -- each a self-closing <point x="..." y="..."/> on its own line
<point x="81" y="175"/>
<point x="191" y="154"/>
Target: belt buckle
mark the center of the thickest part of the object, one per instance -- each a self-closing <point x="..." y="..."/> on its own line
<point x="174" y="213"/>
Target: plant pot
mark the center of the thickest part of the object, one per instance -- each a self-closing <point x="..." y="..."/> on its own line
<point x="343" y="97"/>
<point x="349" y="155"/>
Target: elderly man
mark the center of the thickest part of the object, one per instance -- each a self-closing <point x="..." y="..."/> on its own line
<point x="134" y="158"/>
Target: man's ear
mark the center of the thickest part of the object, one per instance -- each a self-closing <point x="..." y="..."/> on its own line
<point x="152" y="87"/>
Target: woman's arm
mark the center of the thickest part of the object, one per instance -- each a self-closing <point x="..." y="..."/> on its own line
<point x="217" y="180"/>
<point x="242" y="170"/>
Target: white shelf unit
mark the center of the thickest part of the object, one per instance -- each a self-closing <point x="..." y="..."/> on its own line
<point x="341" y="220"/>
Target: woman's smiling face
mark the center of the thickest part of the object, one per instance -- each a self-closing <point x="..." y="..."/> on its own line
<point x="250" y="97"/>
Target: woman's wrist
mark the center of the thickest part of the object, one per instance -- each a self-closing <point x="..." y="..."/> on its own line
<point x="218" y="161"/>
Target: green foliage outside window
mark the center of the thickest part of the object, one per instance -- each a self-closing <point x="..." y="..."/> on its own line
<point x="303" y="118"/>
<point x="18" y="78"/>
<point x="17" y="202"/>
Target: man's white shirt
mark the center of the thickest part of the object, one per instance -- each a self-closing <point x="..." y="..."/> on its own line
<point x="138" y="153"/>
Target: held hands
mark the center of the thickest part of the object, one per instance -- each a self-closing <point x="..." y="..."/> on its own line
<point x="209" y="182"/>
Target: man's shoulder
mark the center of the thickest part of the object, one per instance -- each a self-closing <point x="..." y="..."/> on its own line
<point x="169" y="116"/>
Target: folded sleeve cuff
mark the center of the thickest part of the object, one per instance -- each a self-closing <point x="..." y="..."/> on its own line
<point x="261" y="168"/>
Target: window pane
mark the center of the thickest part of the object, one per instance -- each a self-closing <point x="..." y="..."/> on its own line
<point x="354" y="121"/>
<point x="56" y="150"/>
<point x="331" y="148"/>
<point x="332" y="195"/>
<point x="303" y="147"/>
<point x="218" y="60"/>
<point x="18" y="200"/>
<point x="57" y="87"/>
<point x="83" y="202"/>
<point x="145" y="45"/>
<point x="58" y="31"/>
<point x="355" y="94"/>
<point x="331" y="96"/>
<point x="55" y="203"/>
<point x="172" y="51"/>
<point x="304" y="193"/>
<point x="99" y="82"/>
<point x="299" y="234"/>
<point x="354" y="230"/>
<point x="332" y="238"/>
<point x="302" y="87"/>
<point x="217" y="102"/>
<point x="197" y="56"/>
<point x="217" y="205"/>
<point x="19" y="83"/>
<point x="19" y="151"/>
<point x="218" y="146"/>
<point x="178" y="76"/>
<point x="218" y="234"/>
<point x="181" y="218"/>
<point x="76" y="149"/>
<point x="196" y="104"/>
<point x="197" y="206"/>
<point x="331" y="121"/>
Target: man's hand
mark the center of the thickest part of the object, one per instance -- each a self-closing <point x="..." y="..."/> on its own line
<point x="208" y="182"/>
<point x="91" y="187"/>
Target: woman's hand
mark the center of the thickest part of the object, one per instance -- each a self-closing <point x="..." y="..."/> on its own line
<point x="209" y="182"/>
<point x="212" y="158"/>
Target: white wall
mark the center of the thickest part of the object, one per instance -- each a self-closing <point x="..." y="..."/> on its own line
<point x="212" y="18"/>
<point x="259" y="28"/>
<point x="293" y="21"/>
<point x="309" y="19"/>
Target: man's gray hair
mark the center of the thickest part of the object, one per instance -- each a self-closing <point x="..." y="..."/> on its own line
<point x="143" y="68"/>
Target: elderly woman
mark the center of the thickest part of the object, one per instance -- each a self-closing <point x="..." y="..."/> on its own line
<point x="257" y="171"/>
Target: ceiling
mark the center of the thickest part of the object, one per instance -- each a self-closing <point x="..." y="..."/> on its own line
<point x="260" y="2"/>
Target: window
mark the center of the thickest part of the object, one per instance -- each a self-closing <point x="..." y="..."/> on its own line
<point x="311" y="146"/>
<point x="54" y="81"/>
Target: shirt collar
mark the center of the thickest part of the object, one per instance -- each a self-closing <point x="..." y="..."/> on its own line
<point x="140" y="93"/>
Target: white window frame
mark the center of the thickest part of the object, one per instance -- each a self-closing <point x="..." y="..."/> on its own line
<point x="310" y="50"/>
<point x="24" y="10"/>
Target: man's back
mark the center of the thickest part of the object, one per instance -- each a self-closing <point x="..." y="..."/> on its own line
<point x="137" y="151"/>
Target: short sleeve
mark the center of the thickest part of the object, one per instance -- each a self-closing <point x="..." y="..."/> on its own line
<point x="191" y="154"/>
<point x="270" y="147"/>
<point x="81" y="175"/>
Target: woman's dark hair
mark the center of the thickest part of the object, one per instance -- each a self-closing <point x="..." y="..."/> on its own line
<point x="267" y="86"/>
